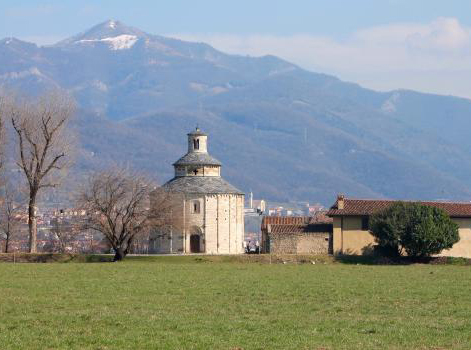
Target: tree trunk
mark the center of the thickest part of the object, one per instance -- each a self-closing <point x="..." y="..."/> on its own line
<point x="129" y="245"/>
<point x="7" y="242"/>
<point x="32" y="225"/>
<point x="61" y="246"/>
<point x="119" y="254"/>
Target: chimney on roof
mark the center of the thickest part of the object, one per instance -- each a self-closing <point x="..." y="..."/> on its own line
<point x="340" y="201"/>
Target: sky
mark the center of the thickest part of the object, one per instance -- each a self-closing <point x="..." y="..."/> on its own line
<point x="423" y="45"/>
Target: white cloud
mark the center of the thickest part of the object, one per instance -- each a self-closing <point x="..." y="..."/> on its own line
<point x="443" y="34"/>
<point x="432" y="57"/>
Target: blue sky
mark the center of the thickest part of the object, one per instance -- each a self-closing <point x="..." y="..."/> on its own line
<point x="382" y="44"/>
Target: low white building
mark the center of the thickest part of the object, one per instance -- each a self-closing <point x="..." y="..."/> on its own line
<point x="207" y="214"/>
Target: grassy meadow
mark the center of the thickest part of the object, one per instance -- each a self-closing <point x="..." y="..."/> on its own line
<point x="222" y="303"/>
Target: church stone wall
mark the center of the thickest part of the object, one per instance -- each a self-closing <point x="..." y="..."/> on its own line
<point x="165" y="241"/>
<point x="240" y="226"/>
<point x="169" y="237"/>
<point x="220" y="220"/>
<point x="224" y="224"/>
<point x="202" y="141"/>
<point x="189" y="170"/>
<point x="194" y="220"/>
<point x="180" y="171"/>
<point x="212" y="171"/>
<point x="211" y="205"/>
<point x="232" y="223"/>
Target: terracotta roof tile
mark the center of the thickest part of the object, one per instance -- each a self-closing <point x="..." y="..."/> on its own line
<point x="355" y="207"/>
<point x="319" y="218"/>
<point x="305" y="228"/>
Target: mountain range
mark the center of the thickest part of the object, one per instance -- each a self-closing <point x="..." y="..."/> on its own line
<point x="281" y="131"/>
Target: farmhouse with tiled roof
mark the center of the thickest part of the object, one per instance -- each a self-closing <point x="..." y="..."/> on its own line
<point x="351" y="224"/>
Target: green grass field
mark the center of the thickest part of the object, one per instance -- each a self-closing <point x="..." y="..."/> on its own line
<point x="199" y="303"/>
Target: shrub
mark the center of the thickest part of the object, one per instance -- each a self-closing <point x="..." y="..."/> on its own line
<point x="417" y="229"/>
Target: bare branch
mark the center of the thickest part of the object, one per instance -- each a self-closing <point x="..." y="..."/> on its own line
<point x="2" y="129"/>
<point x="43" y="144"/>
<point x="9" y="210"/>
<point x="116" y="202"/>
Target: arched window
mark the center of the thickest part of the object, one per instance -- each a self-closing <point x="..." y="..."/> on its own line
<point x="195" y="207"/>
<point x="196" y="144"/>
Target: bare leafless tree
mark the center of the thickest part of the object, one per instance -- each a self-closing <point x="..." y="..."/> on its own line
<point x="117" y="205"/>
<point x="3" y="140"/>
<point x="64" y="232"/>
<point x="9" y="211"/>
<point x="8" y="206"/>
<point x="43" y="145"/>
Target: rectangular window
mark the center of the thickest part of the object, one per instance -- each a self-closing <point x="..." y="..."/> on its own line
<point x="365" y="223"/>
<point x="196" y="207"/>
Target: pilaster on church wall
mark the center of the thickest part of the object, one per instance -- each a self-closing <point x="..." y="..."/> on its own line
<point x="211" y="224"/>
<point x="223" y="223"/>
<point x="233" y="223"/>
<point x="241" y="222"/>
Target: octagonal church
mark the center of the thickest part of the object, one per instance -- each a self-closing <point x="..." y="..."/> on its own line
<point x="200" y="211"/>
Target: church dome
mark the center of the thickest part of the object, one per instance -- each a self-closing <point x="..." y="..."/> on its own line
<point x="197" y="159"/>
<point x="202" y="185"/>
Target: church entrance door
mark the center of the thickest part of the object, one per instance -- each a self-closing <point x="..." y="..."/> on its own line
<point x="195" y="243"/>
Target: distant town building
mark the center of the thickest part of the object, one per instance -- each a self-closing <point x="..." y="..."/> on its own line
<point x="311" y="210"/>
<point x="278" y="211"/>
<point x="207" y="213"/>
<point x="255" y="207"/>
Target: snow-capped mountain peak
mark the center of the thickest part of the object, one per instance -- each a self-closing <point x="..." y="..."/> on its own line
<point x="120" y="42"/>
<point x="113" y="32"/>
